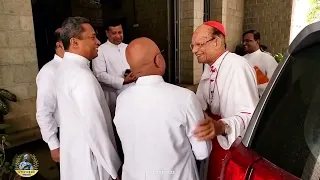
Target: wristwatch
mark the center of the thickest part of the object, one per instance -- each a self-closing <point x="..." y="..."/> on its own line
<point x="227" y="129"/>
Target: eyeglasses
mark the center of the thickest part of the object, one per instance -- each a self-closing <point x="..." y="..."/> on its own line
<point x="201" y="44"/>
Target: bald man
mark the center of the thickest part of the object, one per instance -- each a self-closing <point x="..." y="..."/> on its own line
<point x="155" y="121"/>
<point x="47" y="113"/>
<point x="227" y="91"/>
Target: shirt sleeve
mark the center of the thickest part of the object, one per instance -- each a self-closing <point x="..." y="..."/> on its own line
<point x="99" y="67"/>
<point x="201" y="149"/>
<point x="200" y="96"/>
<point x="88" y="97"/>
<point x="241" y="97"/>
<point x="271" y="66"/>
<point x="46" y="107"/>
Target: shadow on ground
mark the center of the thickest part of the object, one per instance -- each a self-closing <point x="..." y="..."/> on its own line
<point x="47" y="168"/>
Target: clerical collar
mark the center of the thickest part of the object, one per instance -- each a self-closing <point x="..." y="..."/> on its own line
<point x="76" y="58"/>
<point x="151" y="79"/>
<point x="113" y="45"/>
<point x="219" y="60"/>
<point x="256" y="52"/>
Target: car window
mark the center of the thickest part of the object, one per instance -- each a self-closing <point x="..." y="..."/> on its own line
<point x="288" y="133"/>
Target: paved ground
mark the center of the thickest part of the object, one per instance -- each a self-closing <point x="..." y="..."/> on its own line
<point x="47" y="168"/>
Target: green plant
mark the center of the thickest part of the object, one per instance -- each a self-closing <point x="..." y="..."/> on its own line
<point x="6" y="168"/>
<point x="314" y="11"/>
<point x="278" y="57"/>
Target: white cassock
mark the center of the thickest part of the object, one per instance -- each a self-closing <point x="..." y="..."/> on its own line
<point x="87" y="144"/>
<point x="109" y="68"/>
<point x="47" y="111"/>
<point x="155" y="122"/>
<point x="265" y="62"/>
<point x="232" y="82"/>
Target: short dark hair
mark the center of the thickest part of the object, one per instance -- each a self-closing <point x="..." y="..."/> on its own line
<point x="112" y="23"/>
<point x="57" y="38"/>
<point x="256" y="34"/>
<point x="71" y="28"/>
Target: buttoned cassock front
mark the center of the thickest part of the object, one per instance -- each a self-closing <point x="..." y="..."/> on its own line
<point x="87" y="141"/>
<point x="47" y="111"/>
<point x="265" y="62"/>
<point x="109" y="68"/>
<point x="235" y="95"/>
<point x="155" y="121"/>
<point x="232" y="84"/>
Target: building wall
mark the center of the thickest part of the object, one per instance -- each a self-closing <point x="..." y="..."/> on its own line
<point x="18" y="67"/>
<point x="233" y="16"/>
<point x="191" y="16"/>
<point x="230" y="13"/>
<point x="272" y="19"/>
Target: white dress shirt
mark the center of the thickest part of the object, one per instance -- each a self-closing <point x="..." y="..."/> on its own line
<point x="232" y="82"/>
<point x="88" y="147"/>
<point x="47" y="111"/>
<point x="265" y="62"/>
<point x="109" y="68"/>
<point x="155" y="122"/>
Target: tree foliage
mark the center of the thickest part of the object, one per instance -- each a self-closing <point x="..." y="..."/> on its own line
<point x="314" y="11"/>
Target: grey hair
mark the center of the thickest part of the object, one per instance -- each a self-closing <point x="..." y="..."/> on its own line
<point x="71" y="28"/>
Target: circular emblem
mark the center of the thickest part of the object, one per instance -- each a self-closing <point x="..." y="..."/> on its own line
<point x="26" y="165"/>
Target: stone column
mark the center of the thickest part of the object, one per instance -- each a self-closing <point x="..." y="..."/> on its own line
<point x="230" y="13"/>
<point x="191" y="16"/>
<point x="19" y="67"/>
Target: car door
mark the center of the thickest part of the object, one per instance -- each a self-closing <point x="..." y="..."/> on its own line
<point x="285" y="129"/>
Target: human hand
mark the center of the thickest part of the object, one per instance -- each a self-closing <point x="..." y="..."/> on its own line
<point x="55" y="155"/>
<point x="129" y="78"/>
<point x="205" y="129"/>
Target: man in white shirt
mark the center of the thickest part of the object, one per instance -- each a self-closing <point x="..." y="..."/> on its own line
<point x="263" y="63"/>
<point x="155" y="121"/>
<point x="87" y="143"/>
<point x="47" y="111"/>
<point x="111" y="64"/>
<point x="227" y="92"/>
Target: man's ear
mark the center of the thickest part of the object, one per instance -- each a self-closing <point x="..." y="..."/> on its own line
<point x="107" y="33"/>
<point x="158" y="61"/>
<point x="74" y="42"/>
<point x="216" y="42"/>
<point x="57" y="45"/>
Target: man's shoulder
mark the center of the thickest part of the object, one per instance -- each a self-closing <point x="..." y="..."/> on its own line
<point x="236" y="60"/>
<point x="179" y="89"/>
<point x="237" y="63"/>
<point x="173" y="90"/>
<point x="267" y="56"/>
<point x="124" y="44"/>
<point x="48" y="69"/>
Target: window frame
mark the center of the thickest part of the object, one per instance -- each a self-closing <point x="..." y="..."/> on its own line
<point x="307" y="37"/>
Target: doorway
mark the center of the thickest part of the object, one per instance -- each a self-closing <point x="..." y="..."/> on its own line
<point x="47" y="17"/>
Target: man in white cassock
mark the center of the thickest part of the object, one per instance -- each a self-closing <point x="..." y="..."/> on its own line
<point x="110" y="65"/>
<point x="263" y="63"/>
<point x="227" y="92"/>
<point x="47" y="110"/>
<point x="155" y="121"/>
<point x="87" y="144"/>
